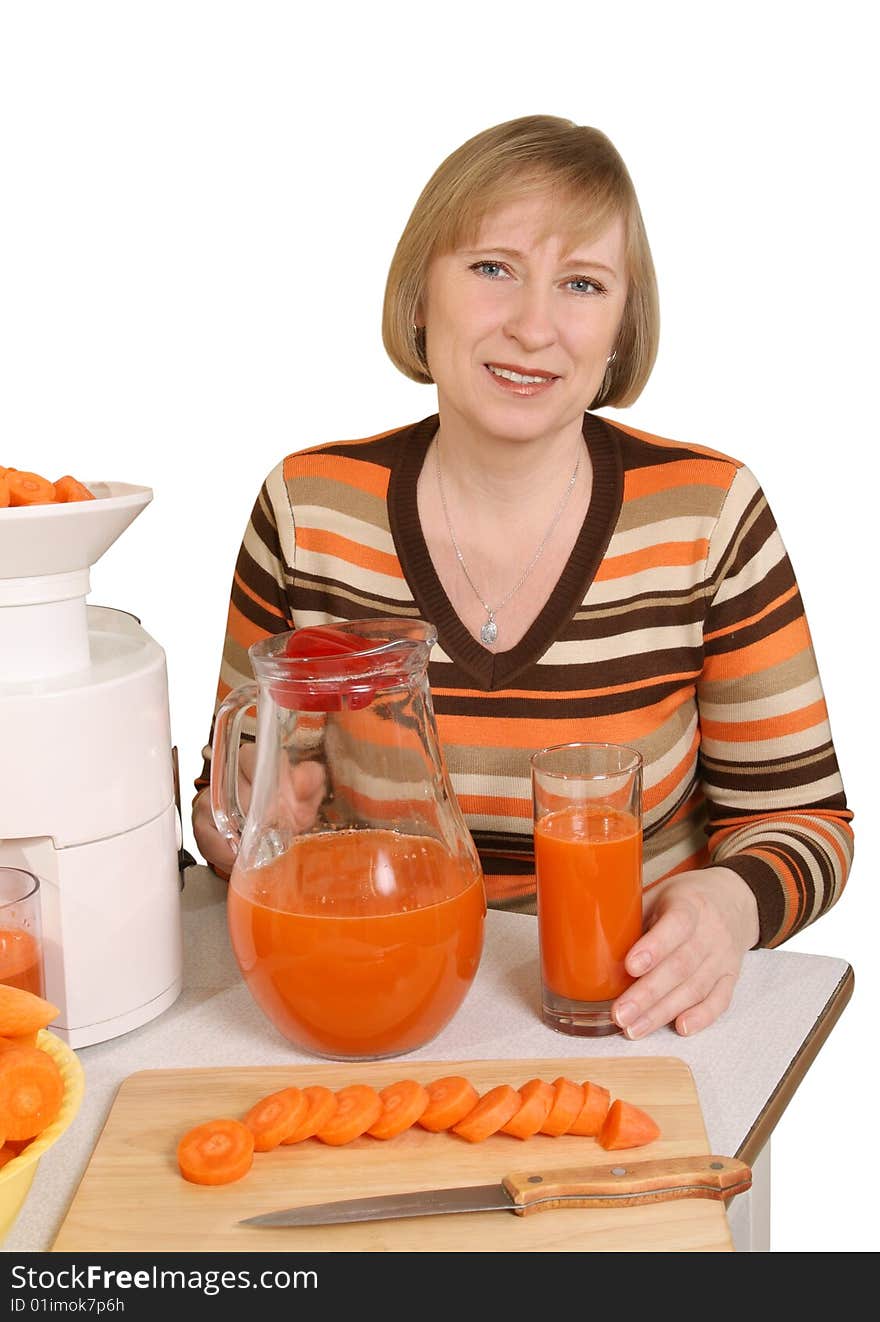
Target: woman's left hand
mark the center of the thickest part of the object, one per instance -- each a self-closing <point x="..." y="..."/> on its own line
<point x="698" y="926"/>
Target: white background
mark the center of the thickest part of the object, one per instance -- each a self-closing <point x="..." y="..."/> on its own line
<point x="199" y="204"/>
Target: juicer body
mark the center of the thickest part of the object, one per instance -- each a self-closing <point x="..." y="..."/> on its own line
<point x="87" y="802"/>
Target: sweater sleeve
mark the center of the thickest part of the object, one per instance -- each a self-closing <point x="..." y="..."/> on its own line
<point x="777" y="810"/>
<point x="259" y="604"/>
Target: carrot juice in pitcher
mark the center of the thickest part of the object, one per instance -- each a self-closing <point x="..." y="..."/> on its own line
<point x="358" y="944"/>
<point x="356" y="905"/>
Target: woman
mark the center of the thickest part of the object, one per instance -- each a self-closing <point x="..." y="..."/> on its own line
<point x="588" y="581"/>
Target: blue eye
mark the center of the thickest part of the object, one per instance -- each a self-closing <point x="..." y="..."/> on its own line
<point x="583" y="284"/>
<point x="491" y="270"/>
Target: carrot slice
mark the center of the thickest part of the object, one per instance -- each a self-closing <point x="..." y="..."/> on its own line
<point x="18" y="1145"/>
<point x="536" y="1099"/>
<point x="567" y="1106"/>
<point x="216" y="1152"/>
<point x="321" y="1105"/>
<point x="594" y="1110"/>
<point x="5" y="496"/>
<point x="29" y="488"/>
<point x="402" y="1104"/>
<point x="23" y="1011"/>
<point x="493" y="1110"/>
<point x="67" y="488"/>
<point x="273" y="1117"/>
<point x="627" y="1126"/>
<point x="451" y="1099"/>
<point x="22" y="1039"/>
<point x="357" y="1107"/>
<point x="31" y="1090"/>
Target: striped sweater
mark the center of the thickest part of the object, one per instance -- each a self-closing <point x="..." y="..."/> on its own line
<point x="676" y="627"/>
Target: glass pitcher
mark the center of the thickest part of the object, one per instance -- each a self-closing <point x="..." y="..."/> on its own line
<point x="356" y="903"/>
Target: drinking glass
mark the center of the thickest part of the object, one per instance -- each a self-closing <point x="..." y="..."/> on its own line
<point x="21" y="936"/>
<point x="587" y="801"/>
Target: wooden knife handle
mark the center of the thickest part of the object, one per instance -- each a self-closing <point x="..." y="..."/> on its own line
<point x="627" y="1183"/>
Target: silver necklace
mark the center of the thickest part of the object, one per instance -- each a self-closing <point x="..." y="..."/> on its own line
<point x="489" y="631"/>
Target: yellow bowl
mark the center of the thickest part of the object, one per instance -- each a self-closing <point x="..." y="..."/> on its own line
<point x="17" y="1176"/>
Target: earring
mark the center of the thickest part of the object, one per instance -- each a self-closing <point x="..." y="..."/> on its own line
<point x="611" y="357"/>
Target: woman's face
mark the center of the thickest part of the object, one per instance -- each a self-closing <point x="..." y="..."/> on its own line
<point x="519" y="328"/>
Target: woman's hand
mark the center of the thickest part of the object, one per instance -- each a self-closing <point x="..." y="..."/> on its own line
<point x="698" y="926"/>
<point x="300" y="799"/>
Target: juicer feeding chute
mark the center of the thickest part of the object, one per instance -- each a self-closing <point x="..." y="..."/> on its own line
<point x="56" y="539"/>
<point x="46" y="552"/>
<point x="88" y="796"/>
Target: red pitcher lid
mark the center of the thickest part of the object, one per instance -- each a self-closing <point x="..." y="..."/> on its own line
<point x="329" y="669"/>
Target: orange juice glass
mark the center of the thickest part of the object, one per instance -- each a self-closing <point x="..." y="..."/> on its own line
<point x="21" y="942"/>
<point x="587" y="801"/>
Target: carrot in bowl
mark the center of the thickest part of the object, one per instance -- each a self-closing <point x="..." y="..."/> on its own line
<point x="22" y="1011"/>
<point x="274" y="1117"/>
<point x="31" y="1090"/>
<point x="451" y="1099"/>
<point x="402" y="1104"/>
<point x="67" y="488"/>
<point x="29" y="488"/>
<point x="493" y="1110"/>
<point x="216" y="1152"/>
<point x="21" y="1039"/>
<point x="5" y="496"/>
<point x="321" y="1105"/>
<point x="536" y="1099"/>
<point x="357" y="1107"/>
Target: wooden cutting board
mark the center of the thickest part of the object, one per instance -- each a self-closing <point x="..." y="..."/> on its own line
<point x="132" y="1197"/>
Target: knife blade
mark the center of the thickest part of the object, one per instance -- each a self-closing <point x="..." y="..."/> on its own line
<point x="617" y="1184"/>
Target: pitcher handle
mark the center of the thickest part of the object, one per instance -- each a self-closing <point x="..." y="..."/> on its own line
<point x="225" y="805"/>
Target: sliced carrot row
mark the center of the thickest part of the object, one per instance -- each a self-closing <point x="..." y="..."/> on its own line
<point x="272" y="1118"/>
<point x="217" y="1152"/>
<point x="450" y="1099"/>
<point x="22" y="488"/>
<point x="321" y="1105"/>
<point x="451" y="1104"/>
<point x="536" y="1100"/>
<point x="403" y="1103"/>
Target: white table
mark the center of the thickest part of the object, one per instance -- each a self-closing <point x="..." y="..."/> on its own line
<point x="746" y="1066"/>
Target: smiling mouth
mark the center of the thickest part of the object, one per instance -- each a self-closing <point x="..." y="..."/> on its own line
<point x="521" y="377"/>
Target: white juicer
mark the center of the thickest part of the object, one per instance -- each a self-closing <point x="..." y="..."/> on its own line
<point x="87" y="786"/>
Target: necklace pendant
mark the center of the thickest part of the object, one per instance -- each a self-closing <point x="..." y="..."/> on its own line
<point x="489" y="631"/>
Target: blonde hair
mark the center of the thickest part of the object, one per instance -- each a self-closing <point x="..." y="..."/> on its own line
<point x="589" y="185"/>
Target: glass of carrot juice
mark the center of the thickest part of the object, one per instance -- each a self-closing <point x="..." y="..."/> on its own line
<point x="21" y="939"/>
<point x="587" y="801"/>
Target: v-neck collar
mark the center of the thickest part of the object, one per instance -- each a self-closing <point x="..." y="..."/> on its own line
<point x="498" y="670"/>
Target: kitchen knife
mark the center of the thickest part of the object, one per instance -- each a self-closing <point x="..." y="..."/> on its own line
<point x="618" y="1184"/>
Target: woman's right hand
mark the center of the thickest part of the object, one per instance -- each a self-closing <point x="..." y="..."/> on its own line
<point x="301" y="797"/>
